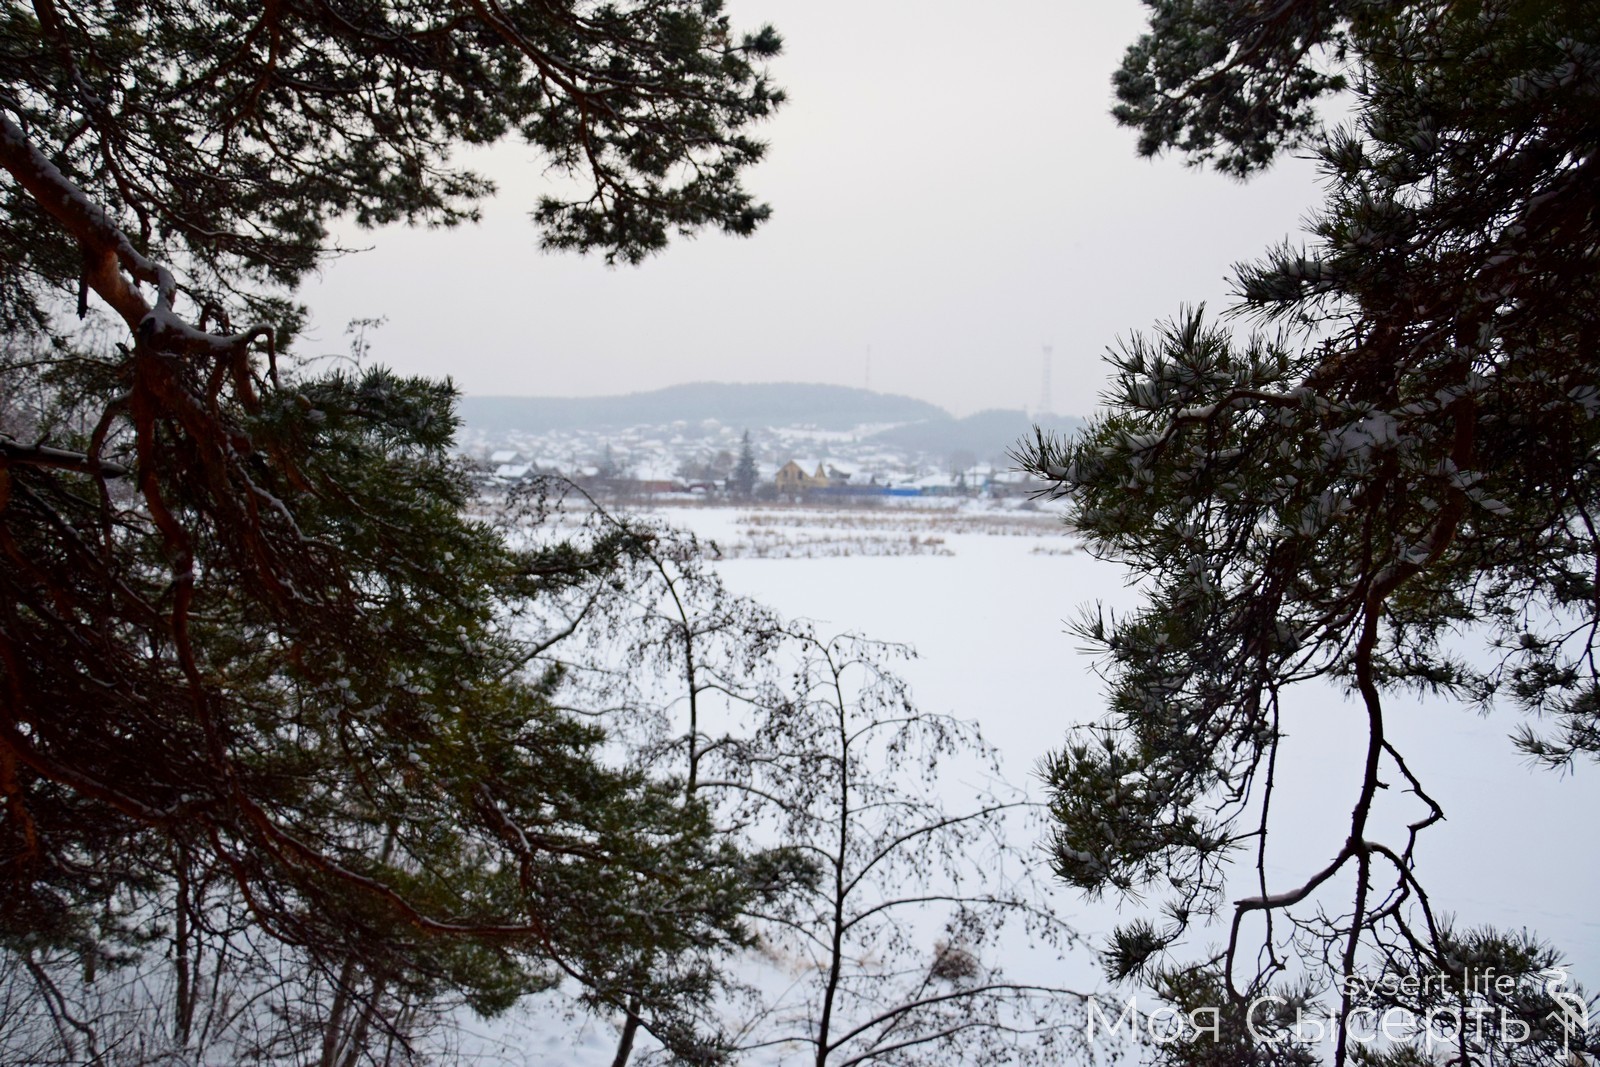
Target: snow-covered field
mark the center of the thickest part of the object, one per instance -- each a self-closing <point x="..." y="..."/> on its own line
<point x="986" y="607"/>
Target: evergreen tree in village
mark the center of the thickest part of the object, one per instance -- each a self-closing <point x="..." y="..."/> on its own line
<point x="259" y="682"/>
<point x="1406" y="453"/>
<point x="745" y="472"/>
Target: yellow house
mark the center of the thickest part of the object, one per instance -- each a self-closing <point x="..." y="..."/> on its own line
<point x="792" y="478"/>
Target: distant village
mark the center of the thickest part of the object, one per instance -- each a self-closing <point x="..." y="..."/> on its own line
<point x="702" y="460"/>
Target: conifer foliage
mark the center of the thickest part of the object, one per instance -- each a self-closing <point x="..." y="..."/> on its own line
<point x="1408" y="450"/>
<point x="249" y="633"/>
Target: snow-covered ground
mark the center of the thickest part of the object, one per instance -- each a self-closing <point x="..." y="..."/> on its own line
<point x="987" y="608"/>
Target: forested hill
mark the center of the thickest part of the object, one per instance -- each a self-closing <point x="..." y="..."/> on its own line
<point x="828" y="407"/>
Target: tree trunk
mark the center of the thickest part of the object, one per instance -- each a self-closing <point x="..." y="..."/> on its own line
<point x="630" y="1030"/>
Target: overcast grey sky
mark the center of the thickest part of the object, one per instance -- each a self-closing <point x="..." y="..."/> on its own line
<point x="950" y="193"/>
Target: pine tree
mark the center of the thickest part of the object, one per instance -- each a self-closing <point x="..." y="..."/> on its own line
<point x="248" y="631"/>
<point x="1414" y="453"/>
<point x="745" y="473"/>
